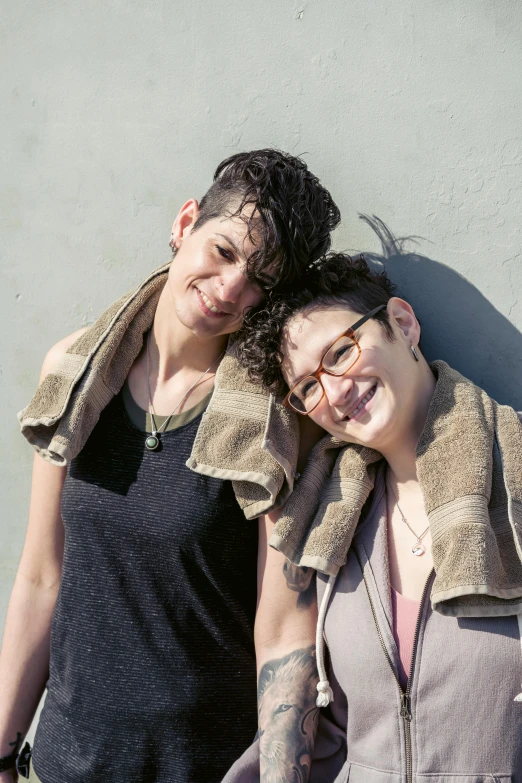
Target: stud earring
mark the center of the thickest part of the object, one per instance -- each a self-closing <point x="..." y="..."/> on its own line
<point x="414" y="352"/>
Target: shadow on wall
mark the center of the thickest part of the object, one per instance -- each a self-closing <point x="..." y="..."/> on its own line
<point x="459" y="325"/>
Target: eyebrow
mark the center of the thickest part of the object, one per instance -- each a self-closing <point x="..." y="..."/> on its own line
<point x="325" y="346"/>
<point x="230" y="242"/>
<point x="269" y="278"/>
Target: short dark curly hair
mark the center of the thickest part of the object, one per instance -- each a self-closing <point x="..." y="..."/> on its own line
<point x="336" y="279"/>
<point x="293" y="213"/>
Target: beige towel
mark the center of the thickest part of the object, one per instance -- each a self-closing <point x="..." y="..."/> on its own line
<point x="67" y="404"/>
<point x="245" y="435"/>
<point x="469" y="460"/>
<point x="469" y="464"/>
<point x="249" y="437"/>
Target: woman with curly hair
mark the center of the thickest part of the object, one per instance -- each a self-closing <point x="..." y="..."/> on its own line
<point x="410" y="511"/>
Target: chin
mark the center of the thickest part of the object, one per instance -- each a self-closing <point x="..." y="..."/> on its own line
<point x="369" y="434"/>
<point x="203" y="327"/>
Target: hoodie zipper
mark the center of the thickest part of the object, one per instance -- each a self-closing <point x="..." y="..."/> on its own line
<point x="405" y="711"/>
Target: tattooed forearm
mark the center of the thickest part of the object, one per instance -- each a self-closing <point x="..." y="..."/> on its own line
<point x="287" y="716"/>
<point x="301" y="580"/>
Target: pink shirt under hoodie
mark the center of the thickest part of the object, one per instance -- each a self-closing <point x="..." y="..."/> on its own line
<point x="405" y="613"/>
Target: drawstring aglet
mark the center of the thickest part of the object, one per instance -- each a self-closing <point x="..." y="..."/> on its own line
<point x="325" y="694"/>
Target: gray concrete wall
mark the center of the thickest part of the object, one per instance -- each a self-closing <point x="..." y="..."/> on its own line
<point x="116" y="111"/>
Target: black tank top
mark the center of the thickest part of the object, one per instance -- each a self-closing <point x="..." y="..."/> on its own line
<point x="152" y="673"/>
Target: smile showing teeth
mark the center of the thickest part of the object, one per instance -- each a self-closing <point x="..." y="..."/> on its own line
<point x="209" y="304"/>
<point x="362" y="403"/>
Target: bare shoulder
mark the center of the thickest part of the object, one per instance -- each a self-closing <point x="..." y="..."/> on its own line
<point x="56" y="353"/>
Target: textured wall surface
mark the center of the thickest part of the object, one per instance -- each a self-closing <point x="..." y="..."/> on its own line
<point x="115" y="111"/>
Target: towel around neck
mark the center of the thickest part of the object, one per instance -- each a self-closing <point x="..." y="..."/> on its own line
<point x="469" y="465"/>
<point x="474" y="503"/>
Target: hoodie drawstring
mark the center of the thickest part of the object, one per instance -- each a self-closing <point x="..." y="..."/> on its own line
<point x="325" y="693"/>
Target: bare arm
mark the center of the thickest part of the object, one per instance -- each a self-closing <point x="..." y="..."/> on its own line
<point x="24" y="658"/>
<point x="285" y="648"/>
<point x="287" y="674"/>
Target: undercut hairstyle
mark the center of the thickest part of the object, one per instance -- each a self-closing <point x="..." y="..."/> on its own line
<point x="289" y="214"/>
<point x="338" y="279"/>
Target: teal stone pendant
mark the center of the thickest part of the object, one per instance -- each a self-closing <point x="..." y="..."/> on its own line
<point x="152" y="442"/>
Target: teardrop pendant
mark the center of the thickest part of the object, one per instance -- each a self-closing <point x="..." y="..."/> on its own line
<point x="418" y="549"/>
<point x="152" y="442"/>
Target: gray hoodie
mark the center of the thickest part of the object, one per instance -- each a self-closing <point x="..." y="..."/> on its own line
<point x="458" y="721"/>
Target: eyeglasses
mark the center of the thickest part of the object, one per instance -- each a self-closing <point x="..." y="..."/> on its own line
<point x="342" y="354"/>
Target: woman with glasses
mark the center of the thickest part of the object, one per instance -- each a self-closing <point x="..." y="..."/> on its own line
<point x="409" y="509"/>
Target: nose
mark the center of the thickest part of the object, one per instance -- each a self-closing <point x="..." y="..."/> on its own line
<point x="231" y="284"/>
<point x="336" y="388"/>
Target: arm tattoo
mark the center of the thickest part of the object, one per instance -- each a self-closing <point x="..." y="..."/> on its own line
<point x="287" y="716"/>
<point x="18" y="741"/>
<point x="301" y="580"/>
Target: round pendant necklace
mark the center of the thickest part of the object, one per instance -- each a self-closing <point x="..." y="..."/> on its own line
<point x="152" y="441"/>
<point x="418" y="548"/>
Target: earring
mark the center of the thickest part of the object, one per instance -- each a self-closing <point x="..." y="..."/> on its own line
<point x="414" y="352"/>
<point x="172" y="244"/>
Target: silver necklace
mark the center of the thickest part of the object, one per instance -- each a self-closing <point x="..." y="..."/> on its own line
<point x="418" y="548"/>
<point x="152" y="441"/>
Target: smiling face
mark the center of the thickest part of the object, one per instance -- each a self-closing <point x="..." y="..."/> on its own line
<point x="381" y="398"/>
<point x="207" y="276"/>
